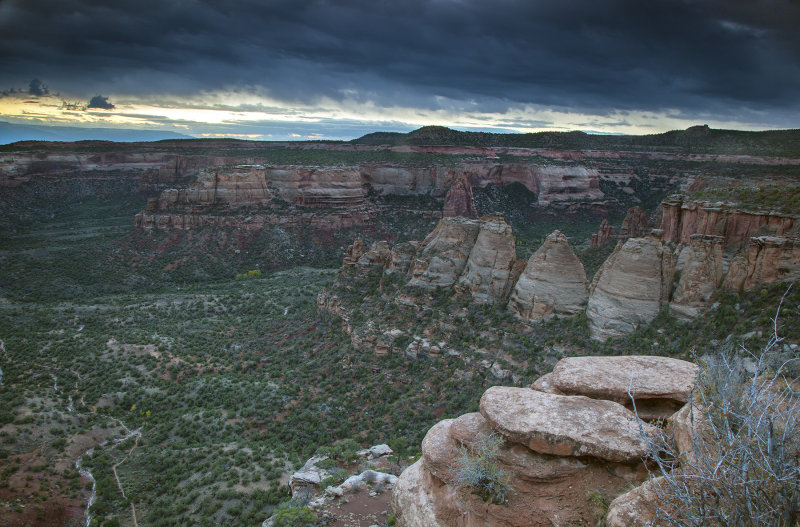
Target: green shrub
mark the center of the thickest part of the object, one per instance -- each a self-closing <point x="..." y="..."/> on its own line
<point x="289" y="515"/>
<point x="479" y="471"/>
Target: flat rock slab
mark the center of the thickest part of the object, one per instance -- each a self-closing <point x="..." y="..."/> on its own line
<point x="610" y="378"/>
<point x="564" y="425"/>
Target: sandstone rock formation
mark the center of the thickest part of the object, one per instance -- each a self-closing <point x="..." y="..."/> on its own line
<point x="459" y="200"/>
<point x="765" y="260"/>
<point x="353" y="253"/>
<point x="700" y="277"/>
<point x="378" y="257"/>
<point x="634" y="224"/>
<point x="603" y="235"/>
<point x="556" y="449"/>
<point x="659" y="385"/>
<point x="443" y="253"/>
<point x="553" y="282"/>
<point x="488" y="274"/>
<point x="682" y="217"/>
<point x="402" y="257"/>
<point x="630" y="287"/>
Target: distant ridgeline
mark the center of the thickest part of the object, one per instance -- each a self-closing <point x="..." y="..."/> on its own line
<point x="697" y="139"/>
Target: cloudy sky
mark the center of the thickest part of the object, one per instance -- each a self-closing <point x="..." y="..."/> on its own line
<point x="277" y="69"/>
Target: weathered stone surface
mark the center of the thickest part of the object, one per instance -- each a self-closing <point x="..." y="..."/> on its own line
<point x="402" y="256"/>
<point x="765" y="260"/>
<point x="488" y="270"/>
<point x="636" y="508"/>
<point x="413" y="500"/>
<point x="630" y="287"/>
<point x="545" y="384"/>
<point x="564" y="425"/>
<point x="682" y="217"/>
<point x="353" y="253"/>
<point x="700" y="277"/>
<point x="603" y="235"/>
<point x="439" y="450"/>
<point x="377" y="257"/>
<point x="553" y="282"/>
<point x="459" y="200"/>
<point x="443" y="254"/>
<point x="635" y="223"/>
<point x="660" y="385"/>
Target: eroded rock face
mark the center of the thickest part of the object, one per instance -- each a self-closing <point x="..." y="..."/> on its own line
<point x="682" y="217"/>
<point x="489" y="268"/>
<point x="553" y="282"/>
<point x="402" y="257"/>
<point x="563" y="425"/>
<point x="701" y="276"/>
<point x="635" y="508"/>
<point x="765" y="260"/>
<point x="378" y="257"/>
<point x="353" y="253"/>
<point x="459" y="200"/>
<point x="603" y="235"/>
<point x="630" y="287"/>
<point x="634" y="224"/>
<point x="659" y="385"/>
<point x="443" y="254"/>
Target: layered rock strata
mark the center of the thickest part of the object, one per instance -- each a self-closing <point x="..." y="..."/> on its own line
<point x="459" y="200"/>
<point x="630" y="287"/>
<point x="553" y="282"/>
<point x="489" y="271"/>
<point x="603" y="235"/>
<point x="556" y="449"/>
<point x="443" y="253"/>
<point x="634" y="224"/>
<point x="682" y="217"/>
<point x="765" y="260"/>
<point x="701" y="275"/>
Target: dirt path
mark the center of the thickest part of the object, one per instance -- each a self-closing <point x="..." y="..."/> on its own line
<point x="119" y="485"/>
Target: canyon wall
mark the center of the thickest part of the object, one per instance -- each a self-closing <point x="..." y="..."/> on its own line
<point x="682" y="217"/>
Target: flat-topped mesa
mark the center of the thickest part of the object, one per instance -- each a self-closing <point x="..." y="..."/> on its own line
<point x="630" y="287"/>
<point x="765" y="260"/>
<point x="488" y="274"/>
<point x="659" y="385"/>
<point x="553" y="282"/>
<point x="682" y="217"/>
<point x="443" y="254"/>
<point x="459" y="200"/>
<point x="702" y="274"/>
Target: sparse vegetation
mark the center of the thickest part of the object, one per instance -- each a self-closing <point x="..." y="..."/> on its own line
<point x="477" y="469"/>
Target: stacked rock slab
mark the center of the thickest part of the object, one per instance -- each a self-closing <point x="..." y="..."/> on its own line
<point x="489" y="269"/>
<point x="556" y="448"/>
<point x="553" y="282"/>
<point x="701" y="276"/>
<point x="659" y="385"/>
<point x="630" y="287"/>
<point x="765" y="260"/>
<point x="443" y="253"/>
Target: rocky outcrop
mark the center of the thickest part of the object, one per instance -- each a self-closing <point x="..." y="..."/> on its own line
<point x="701" y="275"/>
<point x="603" y="235"/>
<point x="682" y="217"/>
<point x="488" y="275"/>
<point x="659" y="385"/>
<point x="443" y="254"/>
<point x="377" y="258"/>
<point x="553" y="282"/>
<point x="630" y="287"/>
<point x="765" y="260"/>
<point x="459" y="200"/>
<point x="555" y="449"/>
<point x="402" y="257"/>
<point x="634" y="224"/>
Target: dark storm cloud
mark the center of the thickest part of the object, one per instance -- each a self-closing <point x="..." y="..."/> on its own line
<point x="716" y="56"/>
<point x="100" y="102"/>
<point x="37" y="88"/>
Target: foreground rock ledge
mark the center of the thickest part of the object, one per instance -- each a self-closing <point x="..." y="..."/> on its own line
<point x="565" y="425"/>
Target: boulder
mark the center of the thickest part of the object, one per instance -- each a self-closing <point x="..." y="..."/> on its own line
<point x="413" y="499"/>
<point x="459" y="200"/>
<point x="489" y="268"/>
<point x="553" y="282"/>
<point x="700" y="277"/>
<point x="660" y="385"/>
<point x="630" y="287"/>
<point x="565" y="425"/>
<point x="443" y="254"/>
<point x="636" y="508"/>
